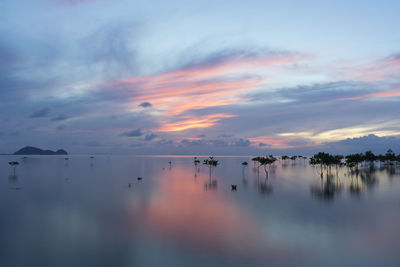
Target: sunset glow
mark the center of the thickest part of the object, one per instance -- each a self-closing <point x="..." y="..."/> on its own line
<point x="115" y="76"/>
<point x="185" y="124"/>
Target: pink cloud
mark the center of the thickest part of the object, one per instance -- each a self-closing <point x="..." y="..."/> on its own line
<point x="383" y="69"/>
<point x="386" y="94"/>
<point x="216" y="83"/>
<point x="192" y="122"/>
<point x="272" y="141"/>
<point x="198" y="87"/>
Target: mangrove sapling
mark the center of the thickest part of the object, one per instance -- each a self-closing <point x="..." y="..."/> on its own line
<point x="390" y="157"/>
<point x="211" y="162"/>
<point x="196" y="161"/>
<point x="317" y="159"/>
<point x="370" y="158"/>
<point x="337" y="161"/>
<point x="284" y="157"/>
<point x="196" y="168"/>
<point x="265" y="162"/>
<point x="255" y="161"/>
<point x="14" y="164"/>
<point x="244" y="164"/>
<point x="353" y="160"/>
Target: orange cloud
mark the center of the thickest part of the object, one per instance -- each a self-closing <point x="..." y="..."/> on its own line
<point x="190" y="123"/>
<point x="199" y="87"/>
<point x="203" y="86"/>
<point x="272" y="142"/>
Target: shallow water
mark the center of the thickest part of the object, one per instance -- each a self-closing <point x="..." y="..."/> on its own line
<point x="94" y="212"/>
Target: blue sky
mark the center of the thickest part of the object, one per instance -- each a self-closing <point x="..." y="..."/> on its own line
<point x="184" y="77"/>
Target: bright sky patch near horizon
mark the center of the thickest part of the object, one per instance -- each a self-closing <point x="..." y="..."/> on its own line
<point x="209" y="77"/>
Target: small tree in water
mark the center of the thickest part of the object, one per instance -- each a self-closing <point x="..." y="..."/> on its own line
<point x="14" y="164"/>
<point x="353" y="160"/>
<point x="266" y="162"/>
<point x="244" y="164"/>
<point x="211" y="162"/>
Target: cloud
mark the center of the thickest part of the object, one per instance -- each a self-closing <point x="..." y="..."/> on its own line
<point x="361" y="144"/>
<point x="273" y="142"/>
<point x="225" y="135"/>
<point x="145" y="104"/>
<point x="150" y="137"/>
<point x="44" y="112"/>
<point x="384" y="94"/>
<point x="165" y="142"/>
<point x="109" y="50"/>
<point x="203" y="142"/>
<point x="386" y="68"/>
<point x="60" y="117"/>
<point x="242" y="142"/>
<point x="179" y="92"/>
<point x="193" y="142"/>
<point x="133" y="133"/>
<point x="212" y="81"/>
<point x="93" y="144"/>
<point x="193" y="123"/>
<point x="317" y="92"/>
<point x="61" y="127"/>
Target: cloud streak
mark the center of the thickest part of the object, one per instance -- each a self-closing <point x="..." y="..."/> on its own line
<point x="192" y="123"/>
<point x="44" y="112"/>
<point x="200" y="85"/>
<point x="386" y="94"/>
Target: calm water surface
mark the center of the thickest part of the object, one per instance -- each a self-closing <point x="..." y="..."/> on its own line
<point x="94" y="212"/>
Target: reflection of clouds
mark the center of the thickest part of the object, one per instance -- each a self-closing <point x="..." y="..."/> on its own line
<point x="183" y="213"/>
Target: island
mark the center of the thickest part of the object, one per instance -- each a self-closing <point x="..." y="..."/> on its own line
<point x="30" y="150"/>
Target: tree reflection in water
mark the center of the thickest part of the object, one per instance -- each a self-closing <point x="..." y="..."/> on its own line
<point x="327" y="188"/>
<point x="212" y="184"/>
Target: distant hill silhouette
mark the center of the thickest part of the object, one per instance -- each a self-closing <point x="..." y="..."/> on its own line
<point x="30" y="150"/>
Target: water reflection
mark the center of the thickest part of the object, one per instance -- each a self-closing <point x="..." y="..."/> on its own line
<point x="264" y="186"/>
<point x="327" y="188"/>
<point x="13" y="179"/>
<point x="211" y="223"/>
<point x="367" y="176"/>
<point x="356" y="180"/>
<point x="106" y="216"/>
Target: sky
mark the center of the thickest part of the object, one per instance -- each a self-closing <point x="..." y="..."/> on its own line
<point x="200" y="77"/>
